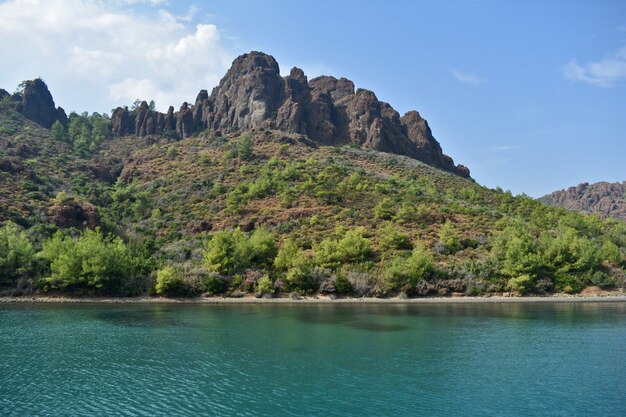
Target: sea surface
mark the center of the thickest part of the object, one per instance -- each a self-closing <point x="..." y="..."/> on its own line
<point x="544" y="359"/>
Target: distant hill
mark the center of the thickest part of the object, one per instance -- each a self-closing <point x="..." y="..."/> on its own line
<point x="603" y="198"/>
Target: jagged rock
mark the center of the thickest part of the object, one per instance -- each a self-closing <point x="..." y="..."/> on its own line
<point x="120" y="121"/>
<point x="184" y="121"/>
<point x="70" y="213"/>
<point x="62" y="116"/>
<point x="37" y="104"/>
<point x="200" y="110"/>
<point x="249" y="95"/>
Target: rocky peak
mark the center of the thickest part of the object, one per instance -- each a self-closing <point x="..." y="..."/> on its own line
<point x="37" y="104"/>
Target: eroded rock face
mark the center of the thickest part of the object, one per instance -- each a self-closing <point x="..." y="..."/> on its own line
<point x="120" y="121"/>
<point x="70" y="213"/>
<point x="37" y="104"/>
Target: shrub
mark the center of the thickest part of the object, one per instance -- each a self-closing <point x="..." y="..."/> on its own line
<point x="287" y="255"/>
<point x="214" y="284"/>
<point x="385" y="209"/>
<point x="265" y="286"/>
<point x="521" y="284"/>
<point x="169" y="281"/>
<point x="391" y="238"/>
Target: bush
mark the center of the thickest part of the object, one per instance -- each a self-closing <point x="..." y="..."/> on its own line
<point x="264" y="286"/>
<point x="169" y="281"/>
<point x="385" y="209"/>
<point x="393" y="239"/>
<point x="214" y="284"/>
<point x="521" y="284"/>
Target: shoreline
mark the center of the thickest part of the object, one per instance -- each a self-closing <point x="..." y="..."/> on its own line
<point x="558" y="298"/>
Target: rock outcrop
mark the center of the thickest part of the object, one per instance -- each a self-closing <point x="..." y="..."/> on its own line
<point x="603" y="198"/>
<point x="37" y="104"/>
<point x="253" y="95"/>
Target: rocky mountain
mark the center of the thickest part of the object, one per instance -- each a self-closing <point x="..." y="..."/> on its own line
<point x="254" y="96"/>
<point x="604" y="198"/>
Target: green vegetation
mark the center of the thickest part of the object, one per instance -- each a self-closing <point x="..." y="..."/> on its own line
<point x="262" y="213"/>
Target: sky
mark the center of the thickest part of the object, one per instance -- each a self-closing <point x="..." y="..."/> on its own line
<point x="530" y="95"/>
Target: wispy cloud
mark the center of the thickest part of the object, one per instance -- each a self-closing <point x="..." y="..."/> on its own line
<point x="608" y="72"/>
<point x="467" y="78"/>
<point x="504" y="148"/>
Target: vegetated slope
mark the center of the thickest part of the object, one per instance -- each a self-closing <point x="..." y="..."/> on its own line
<point x="603" y="198"/>
<point x="248" y="204"/>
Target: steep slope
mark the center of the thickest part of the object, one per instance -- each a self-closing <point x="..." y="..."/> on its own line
<point x="603" y="198"/>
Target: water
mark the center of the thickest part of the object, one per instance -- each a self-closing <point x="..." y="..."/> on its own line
<point x="432" y="360"/>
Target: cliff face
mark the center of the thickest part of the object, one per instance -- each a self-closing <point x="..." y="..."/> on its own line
<point x="253" y="95"/>
<point x="606" y="199"/>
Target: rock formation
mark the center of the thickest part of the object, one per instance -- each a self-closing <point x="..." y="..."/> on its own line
<point x="253" y="95"/>
<point x="603" y="198"/>
<point x="37" y="104"/>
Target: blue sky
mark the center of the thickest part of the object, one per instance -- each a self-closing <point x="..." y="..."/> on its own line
<point x="531" y="95"/>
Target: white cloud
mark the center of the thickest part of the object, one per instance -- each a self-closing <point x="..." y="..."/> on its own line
<point x="505" y="148"/>
<point x="465" y="78"/>
<point x="96" y="55"/>
<point x="609" y="72"/>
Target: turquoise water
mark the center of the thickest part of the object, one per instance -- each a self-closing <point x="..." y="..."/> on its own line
<point x="433" y="360"/>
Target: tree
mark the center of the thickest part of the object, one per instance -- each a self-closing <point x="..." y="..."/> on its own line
<point x="93" y="261"/>
<point x="449" y="237"/>
<point x="385" y="209"/>
<point x="16" y="253"/>
<point x="245" y="148"/>
<point x="228" y="252"/>
<point x="169" y="281"/>
<point x="411" y="270"/>
<point x="58" y="132"/>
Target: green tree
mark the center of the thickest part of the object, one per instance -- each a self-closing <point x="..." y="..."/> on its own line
<point x="228" y="252"/>
<point x="411" y="270"/>
<point x="449" y="237"/>
<point x="263" y="244"/>
<point x="169" y="281"/>
<point x="58" y="132"/>
<point x="16" y="254"/>
<point x="245" y="148"/>
<point x="385" y="209"/>
<point x="93" y="261"/>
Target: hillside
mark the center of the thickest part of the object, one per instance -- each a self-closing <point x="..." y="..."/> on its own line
<point x="602" y="198"/>
<point x="245" y="204"/>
